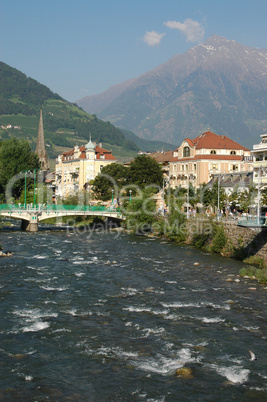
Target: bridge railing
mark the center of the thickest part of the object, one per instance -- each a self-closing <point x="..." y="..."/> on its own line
<point x="53" y="207"/>
<point x="252" y="221"/>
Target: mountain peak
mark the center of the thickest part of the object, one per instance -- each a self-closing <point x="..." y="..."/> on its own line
<point x="220" y="84"/>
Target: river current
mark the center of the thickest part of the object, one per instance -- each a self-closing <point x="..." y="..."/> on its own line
<point x="105" y="316"/>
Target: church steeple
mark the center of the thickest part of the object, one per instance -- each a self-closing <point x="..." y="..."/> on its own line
<point x="40" y="146"/>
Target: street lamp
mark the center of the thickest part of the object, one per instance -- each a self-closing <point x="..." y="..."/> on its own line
<point x="187" y="198"/>
<point x="130" y="191"/>
<point x="34" y="185"/>
<point x="25" y="186"/>
<point x="112" y="191"/>
<point x="258" y="201"/>
<point x="218" y="207"/>
<point x="165" y="181"/>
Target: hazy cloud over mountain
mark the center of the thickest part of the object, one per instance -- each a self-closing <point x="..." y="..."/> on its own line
<point x="193" y="30"/>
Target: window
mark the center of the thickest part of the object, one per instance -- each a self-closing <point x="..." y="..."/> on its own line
<point x="232" y="153"/>
<point x="186" y="152"/>
<point x="234" y="168"/>
<point x="213" y="152"/>
<point x="214" y="166"/>
<point x="195" y="166"/>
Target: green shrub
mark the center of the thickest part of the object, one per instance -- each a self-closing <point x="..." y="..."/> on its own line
<point x="219" y="241"/>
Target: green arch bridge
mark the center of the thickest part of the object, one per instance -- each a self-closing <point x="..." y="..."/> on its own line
<point x="31" y="215"/>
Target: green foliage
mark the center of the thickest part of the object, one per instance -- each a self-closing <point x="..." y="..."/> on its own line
<point x="16" y="156"/>
<point x="255" y="273"/>
<point x="20" y="94"/>
<point x="144" y="171"/>
<point x="219" y="240"/>
<point x="71" y="200"/>
<point x="112" y="177"/>
<point x="64" y="122"/>
<point x="175" y="226"/>
<point x="200" y="240"/>
<point x="141" y="212"/>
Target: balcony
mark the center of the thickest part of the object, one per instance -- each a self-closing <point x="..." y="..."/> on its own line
<point x="260" y="147"/>
<point x="260" y="164"/>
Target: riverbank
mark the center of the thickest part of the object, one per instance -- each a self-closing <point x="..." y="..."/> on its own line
<point x="209" y="235"/>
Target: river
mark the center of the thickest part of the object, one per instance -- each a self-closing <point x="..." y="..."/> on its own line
<point x="105" y="316"/>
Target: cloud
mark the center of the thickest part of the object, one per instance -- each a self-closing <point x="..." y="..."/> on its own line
<point x="153" y="38"/>
<point x="193" y="30"/>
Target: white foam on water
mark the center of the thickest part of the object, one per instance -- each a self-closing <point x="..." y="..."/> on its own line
<point x="28" y="378"/>
<point x="80" y="262"/>
<point x="71" y="312"/>
<point x="53" y="289"/>
<point x="62" y="330"/>
<point x="170" y="281"/>
<point x="40" y="257"/>
<point x="146" y="310"/>
<point x="153" y="331"/>
<point x="214" y="320"/>
<point x="164" y="365"/>
<point x="216" y="306"/>
<point x="33" y="314"/>
<point x="79" y="274"/>
<point x="37" y="326"/>
<point x="234" y="374"/>
<point x="180" y="305"/>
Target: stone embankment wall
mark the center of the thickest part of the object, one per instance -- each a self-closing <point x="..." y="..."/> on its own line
<point x="242" y="242"/>
<point x="252" y="241"/>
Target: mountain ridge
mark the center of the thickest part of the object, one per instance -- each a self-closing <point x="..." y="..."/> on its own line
<point x="219" y="85"/>
<point x="65" y="124"/>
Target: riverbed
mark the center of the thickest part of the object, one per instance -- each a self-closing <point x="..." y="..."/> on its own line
<point x="104" y="316"/>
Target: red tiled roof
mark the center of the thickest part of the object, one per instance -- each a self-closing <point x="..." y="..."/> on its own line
<point x="99" y="152"/>
<point x="162" y="157"/>
<point x="214" y="141"/>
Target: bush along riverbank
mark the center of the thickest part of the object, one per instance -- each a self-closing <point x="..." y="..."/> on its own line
<point x="202" y="232"/>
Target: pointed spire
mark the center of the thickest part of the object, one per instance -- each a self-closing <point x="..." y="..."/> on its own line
<point x="40" y="146"/>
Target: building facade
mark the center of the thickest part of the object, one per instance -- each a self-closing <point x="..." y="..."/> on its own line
<point x="259" y="154"/>
<point x="75" y="169"/>
<point x="209" y="154"/>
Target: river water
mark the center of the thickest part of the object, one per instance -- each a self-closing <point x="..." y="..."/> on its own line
<point x="105" y="316"/>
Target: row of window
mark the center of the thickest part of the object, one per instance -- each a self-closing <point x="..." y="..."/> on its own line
<point x="186" y="152"/>
<point x="184" y="168"/>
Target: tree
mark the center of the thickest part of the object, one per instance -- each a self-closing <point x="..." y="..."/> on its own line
<point x="16" y="156"/>
<point x="144" y="171"/>
<point x="112" y="177"/>
<point x="141" y="212"/>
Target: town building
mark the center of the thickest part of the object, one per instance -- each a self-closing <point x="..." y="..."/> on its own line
<point x="209" y="154"/>
<point x="75" y="169"/>
<point x="259" y="154"/>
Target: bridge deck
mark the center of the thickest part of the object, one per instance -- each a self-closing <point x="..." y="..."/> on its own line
<point x="42" y="212"/>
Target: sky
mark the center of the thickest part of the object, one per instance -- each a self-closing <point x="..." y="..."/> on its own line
<point x="82" y="47"/>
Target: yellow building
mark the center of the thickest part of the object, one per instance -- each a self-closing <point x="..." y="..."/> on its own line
<point x="76" y="168"/>
<point x="199" y="159"/>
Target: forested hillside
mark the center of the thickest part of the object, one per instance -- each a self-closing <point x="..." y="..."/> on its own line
<point x="65" y="124"/>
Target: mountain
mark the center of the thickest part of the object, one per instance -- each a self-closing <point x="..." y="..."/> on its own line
<point x="65" y="124"/>
<point x="219" y="85"/>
